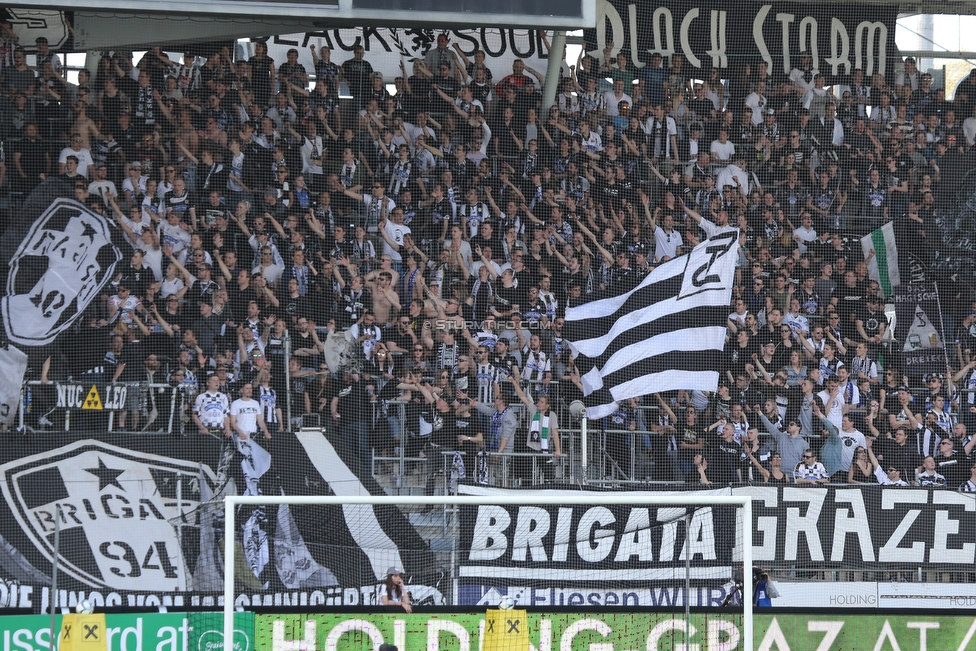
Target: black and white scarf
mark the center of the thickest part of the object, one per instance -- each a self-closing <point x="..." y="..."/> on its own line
<point x="399" y="178"/>
<point x="477" y="287"/>
<point x="145" y="104"/>
<point x="346" y="175"/>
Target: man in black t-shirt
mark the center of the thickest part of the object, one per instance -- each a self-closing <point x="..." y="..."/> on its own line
<point x="506" y="366"/>
<point x="871" y="322"/>
<point x="357" y="73"/>
<point x="725" y="456"/>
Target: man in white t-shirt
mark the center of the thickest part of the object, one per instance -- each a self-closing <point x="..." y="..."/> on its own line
<point x="667" y="239"/>
<point x="805" y="232"/>
<point x="832" y="401"/>
<point x="101" y="186"/>
<point x="613" y="97"/>
<point x="851" y="439"/>
<point x="722" y="150"/>
<point x="75" y="149"/>
<point x="756" y="102"/>
<point x="394" y="232"/>
<point x="245" y="415"/>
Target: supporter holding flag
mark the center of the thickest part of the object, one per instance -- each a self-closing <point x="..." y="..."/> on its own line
<point x="667" y="333"/>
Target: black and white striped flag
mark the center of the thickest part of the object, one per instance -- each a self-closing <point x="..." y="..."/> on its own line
<point x="667" y="333"/>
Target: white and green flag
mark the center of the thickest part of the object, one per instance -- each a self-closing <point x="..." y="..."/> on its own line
<point x="881" y="252"/>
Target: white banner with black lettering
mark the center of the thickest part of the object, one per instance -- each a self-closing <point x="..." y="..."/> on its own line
<point x="386" y="48"/>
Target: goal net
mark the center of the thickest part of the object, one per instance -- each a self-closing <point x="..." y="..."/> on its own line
<point x="573" y="552"/>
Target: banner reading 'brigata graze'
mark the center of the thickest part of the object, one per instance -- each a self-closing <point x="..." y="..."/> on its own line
<point x="840" y="37"/>
<point x="545" y="544"/>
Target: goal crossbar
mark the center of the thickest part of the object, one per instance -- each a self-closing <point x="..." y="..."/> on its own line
<point x="231" y="502"/>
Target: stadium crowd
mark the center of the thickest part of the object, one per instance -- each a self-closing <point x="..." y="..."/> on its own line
<point x="440" y="223"/>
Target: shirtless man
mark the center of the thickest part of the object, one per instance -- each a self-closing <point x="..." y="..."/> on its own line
<point x="84" y="126"/>
<point x="186" y="133"/>
<point x="447" y="311"/>
<point x="386" y="303"/>
<point x="386" y="264"/>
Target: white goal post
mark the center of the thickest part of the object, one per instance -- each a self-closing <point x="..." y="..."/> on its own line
<point x="743" y="523"/>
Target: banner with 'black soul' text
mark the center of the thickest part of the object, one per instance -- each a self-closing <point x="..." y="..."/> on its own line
<point x="840" y="37"/>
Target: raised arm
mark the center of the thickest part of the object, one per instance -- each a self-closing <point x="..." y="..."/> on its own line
<point x="520" y="392"/>
<point x="224" y="271"/>
<point x="184" y="272"/>
<point x="756" y="463"/>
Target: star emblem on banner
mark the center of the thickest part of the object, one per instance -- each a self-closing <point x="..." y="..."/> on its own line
<point x="106" y="476"/>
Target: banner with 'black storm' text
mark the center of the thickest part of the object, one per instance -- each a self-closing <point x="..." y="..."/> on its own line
<point x="840" y="37"/>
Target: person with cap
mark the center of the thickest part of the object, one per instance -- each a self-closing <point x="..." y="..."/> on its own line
<point x="506" y="366"/>
<point x="885" y="472"/>
<point x="498" y="424"/>
<point x="928" y="432"/>
<point x="393" y="592"/>
<point x="123" y="304"/>
<point x="936" y="388"/>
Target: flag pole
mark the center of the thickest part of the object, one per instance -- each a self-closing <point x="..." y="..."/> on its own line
<point x="54" y="572"/>
<point x="577" y="410"/>
<point x="583" y="441"/>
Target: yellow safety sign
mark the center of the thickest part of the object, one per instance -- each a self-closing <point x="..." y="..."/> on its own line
<point x="83" y="633"/>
